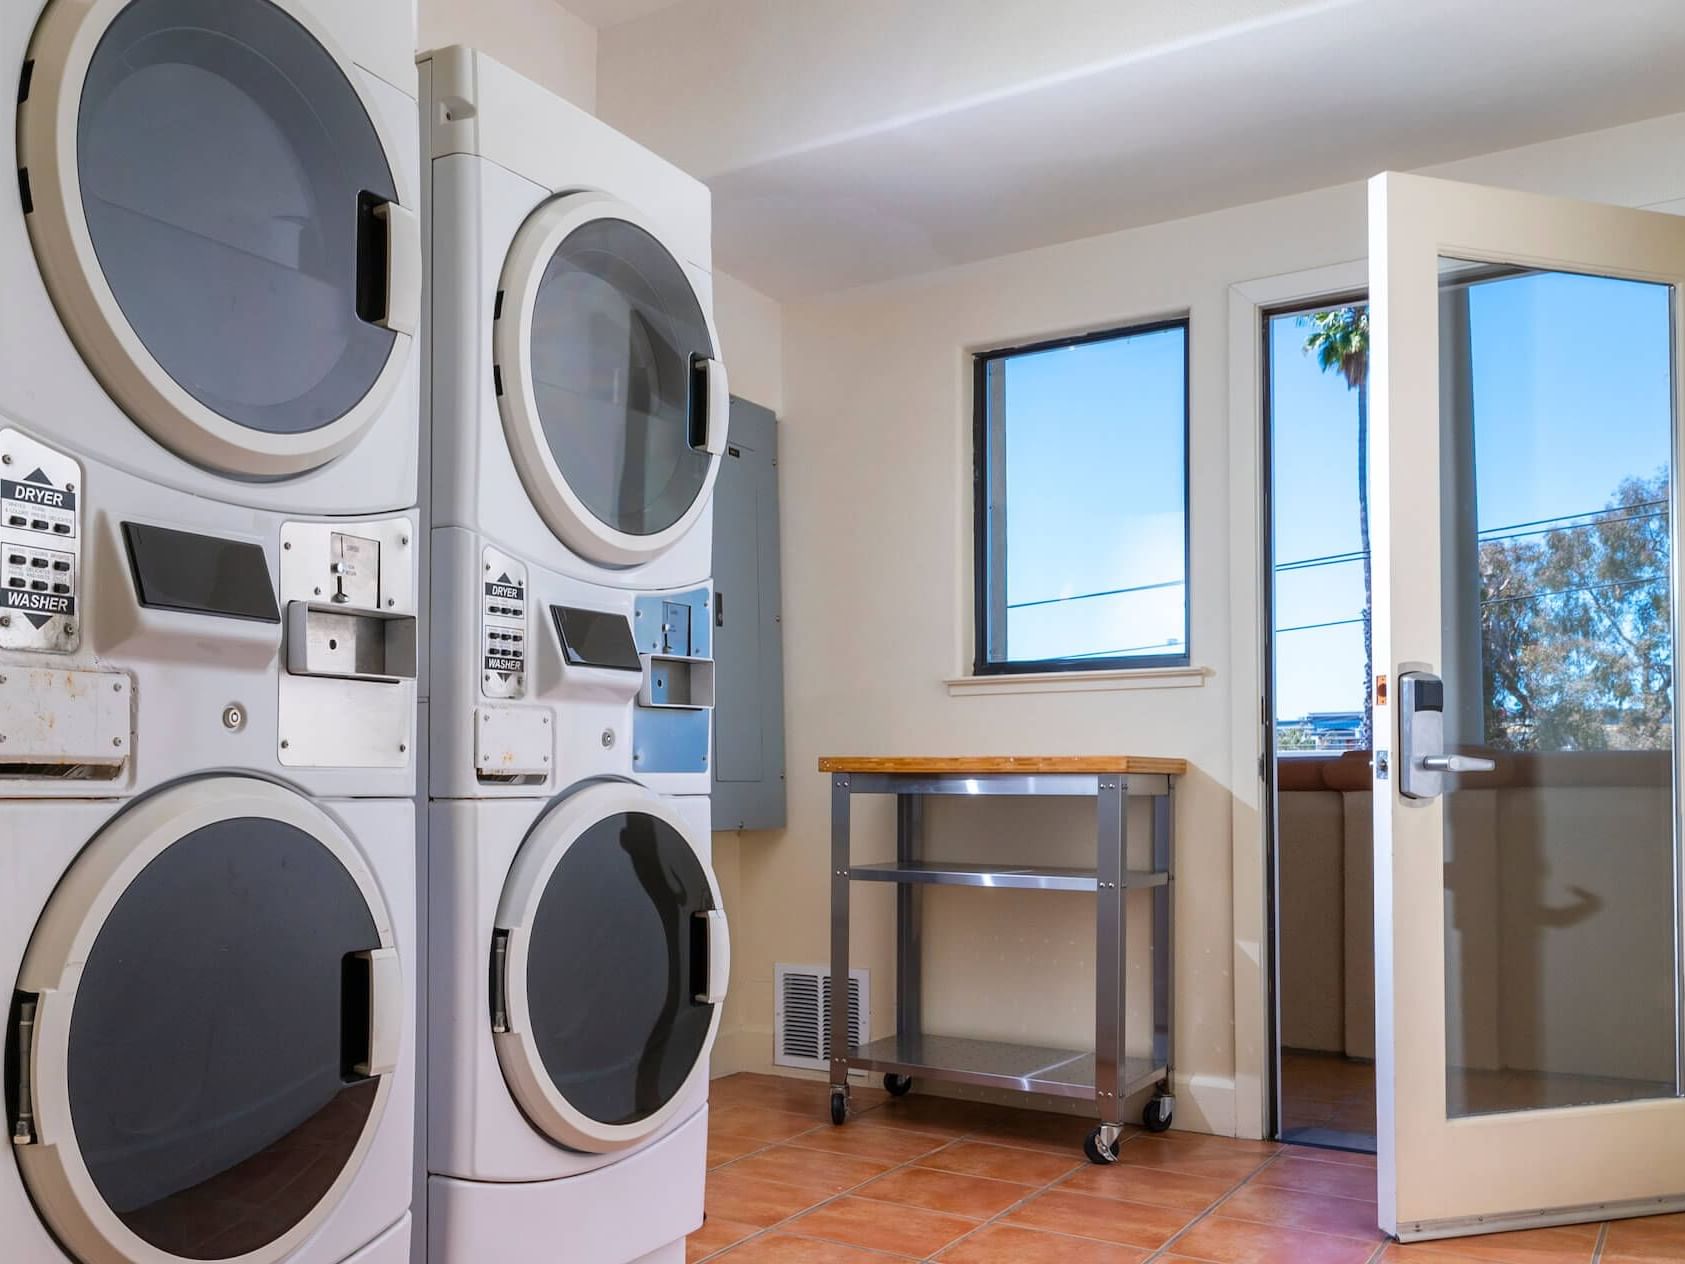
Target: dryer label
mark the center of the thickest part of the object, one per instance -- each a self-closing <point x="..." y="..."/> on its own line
<point x="34" y="504"/>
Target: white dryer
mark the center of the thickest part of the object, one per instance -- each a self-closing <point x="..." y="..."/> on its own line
<point x="579" y="959"/>
<point x="579" y="403"/>
<point x="213" y="265"/>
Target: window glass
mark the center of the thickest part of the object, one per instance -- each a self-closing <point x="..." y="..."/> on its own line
<point x="1318" y="401"/>
<point x="613" y="965"/>
<point x="1082" y="558"/>
<point x="209" y="1064"/>
<point x="228" y="169"/>
<point x="615" y="329"/>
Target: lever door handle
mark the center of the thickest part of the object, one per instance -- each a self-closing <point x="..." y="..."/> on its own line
<point x="1457" y="763"/>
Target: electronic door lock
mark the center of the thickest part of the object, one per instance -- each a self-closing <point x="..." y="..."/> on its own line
<point x="1423" y="760"/>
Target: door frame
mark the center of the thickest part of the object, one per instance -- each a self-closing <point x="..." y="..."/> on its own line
<point x="1252" y="729"/>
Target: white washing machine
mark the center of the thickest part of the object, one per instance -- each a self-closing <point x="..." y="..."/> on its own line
<point x="208" y="1041"/>
<point x="207" y="887"/>
<point x="213" y="264"/>
<point x="578" y="950"/>
<point x="579" y="960"/>
<point x="575" y="420"/>
<point x="579" y="404"/>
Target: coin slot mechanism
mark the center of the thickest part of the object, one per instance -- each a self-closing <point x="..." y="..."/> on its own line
<point x="365" y="645"/>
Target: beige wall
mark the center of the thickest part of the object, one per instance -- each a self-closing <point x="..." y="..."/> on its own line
<point x="877" y="548"/>
<point x="539" y="38"/>
<point x="751" y="329"/>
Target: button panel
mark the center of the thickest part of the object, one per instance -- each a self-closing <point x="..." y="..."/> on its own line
<point x="40" y="546"/>
<point x="503" y="626"/>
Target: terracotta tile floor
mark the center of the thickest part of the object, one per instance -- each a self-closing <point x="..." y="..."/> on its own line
<point x="926" y="1178"/>
<point x="1323" y="1093"/>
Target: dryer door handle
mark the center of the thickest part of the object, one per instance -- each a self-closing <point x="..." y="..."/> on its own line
<point x="403" y="268"/>
<point x="717" y="941"/>
<point x="385" y="1011"/>
<point x="710" y="405"/>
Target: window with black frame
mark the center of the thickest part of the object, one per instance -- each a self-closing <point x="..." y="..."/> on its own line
<point x="1081" y="452"/>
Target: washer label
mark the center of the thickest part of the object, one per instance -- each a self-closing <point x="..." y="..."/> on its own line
<point x="40" y="546"/>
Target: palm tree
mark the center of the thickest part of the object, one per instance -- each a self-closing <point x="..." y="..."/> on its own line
<point x="1339" y="339"/>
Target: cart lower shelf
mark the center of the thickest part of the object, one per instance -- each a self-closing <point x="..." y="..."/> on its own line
<point x="997" y="1064"/>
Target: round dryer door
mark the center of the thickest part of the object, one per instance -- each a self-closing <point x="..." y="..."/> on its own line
<point x="203" y="1029"/>
<point x="613" y="396"/>
<point x="213" y="206"/>
<point x="609" y="965"/>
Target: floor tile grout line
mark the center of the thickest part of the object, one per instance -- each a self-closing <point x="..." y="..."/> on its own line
<point x="1602" y="1243"/>
<point x="1379" y="1251"/>
<point x="1210" y="1211"/>
<point x="1028" y="1198"/>
<point x="826" y="1202"/>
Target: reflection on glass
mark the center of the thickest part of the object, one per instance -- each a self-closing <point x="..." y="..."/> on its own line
<point x="222" y="153"/>
<point x="1556" y="467"/>
<point x="612" y="965"/>
<point x="209" y="1069"/>
<point x="614" y="328"/>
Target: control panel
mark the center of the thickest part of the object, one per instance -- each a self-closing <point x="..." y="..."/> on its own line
<point x="672" y="721"/>
<point x="503" y="626"/>
<point x="40" y="546"/>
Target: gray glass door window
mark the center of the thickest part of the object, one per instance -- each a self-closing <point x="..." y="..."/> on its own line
<point x="215" y="1031"/>
<point x="616" y="336"/>
<point x="616" y="960"/>
<point x="229" y="176"/>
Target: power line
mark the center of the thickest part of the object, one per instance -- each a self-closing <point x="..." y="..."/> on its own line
<point x="1540" y="522"/>
<point x="1569" y="526"/>
<point x="1569" y="592"/>
<point x="1088" y="596"/>
<point x="1328" y="559"/>
<point x="1311" y="627"/>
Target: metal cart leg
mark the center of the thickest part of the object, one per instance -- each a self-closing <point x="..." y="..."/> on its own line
<point x="1163" y="1105"/>
<point x="909" y="977"/>
<point x="1112" y="803"/>
<point x="839" y="947"/>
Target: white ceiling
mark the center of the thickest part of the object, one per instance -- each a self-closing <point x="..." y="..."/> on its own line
<point x="1322" y="92"/>
<point x="605" y="13"/>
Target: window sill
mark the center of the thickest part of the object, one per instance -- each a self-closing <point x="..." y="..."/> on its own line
<point x="1081" y="682"/>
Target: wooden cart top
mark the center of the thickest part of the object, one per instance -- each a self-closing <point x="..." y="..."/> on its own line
<point x="975" y="765"/>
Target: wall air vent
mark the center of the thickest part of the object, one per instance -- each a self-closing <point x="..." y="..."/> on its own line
<point x="804" y="1014"/>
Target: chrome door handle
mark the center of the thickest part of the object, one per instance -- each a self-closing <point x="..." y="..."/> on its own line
<point x="1457" y="763"/>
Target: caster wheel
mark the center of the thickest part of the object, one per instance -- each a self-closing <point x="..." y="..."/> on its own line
<point x="897" y="1085"/>
<point x="1097" y="1150"/>
<point x="1157" y="1115"/>
<point x="839" y="1108"/>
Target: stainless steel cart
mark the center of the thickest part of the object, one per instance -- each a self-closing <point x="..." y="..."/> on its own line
<point x="1103" y="1075"/>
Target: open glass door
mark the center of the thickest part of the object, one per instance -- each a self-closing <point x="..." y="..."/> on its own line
<point x="1526" y="387"/>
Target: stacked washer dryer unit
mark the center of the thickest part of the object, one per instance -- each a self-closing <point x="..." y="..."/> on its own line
<point x="208" y="434"/>
<point x="578" y="946"/>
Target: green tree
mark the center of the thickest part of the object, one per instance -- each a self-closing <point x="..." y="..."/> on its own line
<point x="1339" y="339"/>
<point x="1576" y="636"/>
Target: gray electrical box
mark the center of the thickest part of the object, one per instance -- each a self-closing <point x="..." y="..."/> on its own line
<point x="748" y="635"/>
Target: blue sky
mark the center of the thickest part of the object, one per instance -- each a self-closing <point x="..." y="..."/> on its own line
<point x="1571" y="396"/>
<point x="1571" y="392"/>
<point x="1094" y="459"/>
